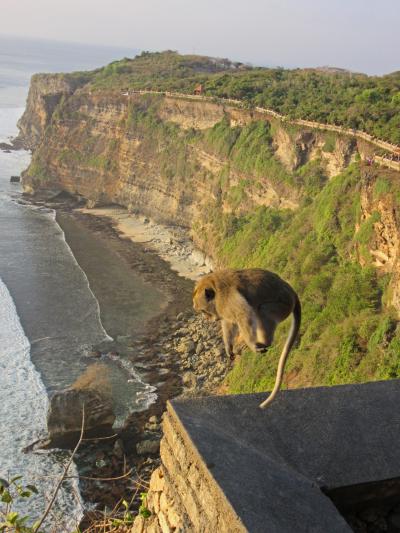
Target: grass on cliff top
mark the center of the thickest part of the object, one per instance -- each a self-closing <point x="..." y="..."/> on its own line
<point x="368" y="103"/>
<point x="347" y="334"/>
<point x="160" y="71"/>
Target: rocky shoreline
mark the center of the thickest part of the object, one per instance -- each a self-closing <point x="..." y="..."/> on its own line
<point x="177" y="352"/>
<point x="171" y="243"/>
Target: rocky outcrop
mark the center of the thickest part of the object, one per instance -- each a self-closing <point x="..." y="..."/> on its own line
<point x="182" y="494"/>
<point x="45" y="93"/>
<point x="379" y="210"/>
<point x="196" y="345"/>
<point x="188" y="116"/>
<point x="64" y="419"/>
<point x="158" y="154"/>
<point x="96" y="147"/>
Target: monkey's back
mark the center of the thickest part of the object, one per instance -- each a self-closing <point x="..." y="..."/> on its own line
<point x="258" y="286"/>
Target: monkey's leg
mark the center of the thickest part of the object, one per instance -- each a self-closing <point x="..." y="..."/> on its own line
<point x="248" y="330"/>
<point x="229" y="332"/>
<point x="246" y="319"/>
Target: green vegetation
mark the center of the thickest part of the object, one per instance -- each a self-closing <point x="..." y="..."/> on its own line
<point x="164" y="71"/>
<point x="166" y="142"/>
<point x="366" y="229"/>
<point x="128" y="517"/>
<point x="143" y="509"/>
<point x="249" y="149"/>
<point x="38" y="170"/>
<point x="382" y="186"/>
<point x="347" y="333"/>
<point x="13" y="491"/>
<point x="330" y="143"/>
<point x="74" y="156"/>
<point x="368" y="103"/>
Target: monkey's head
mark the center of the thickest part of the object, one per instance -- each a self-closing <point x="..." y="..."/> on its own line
<point x="204" y="298"/>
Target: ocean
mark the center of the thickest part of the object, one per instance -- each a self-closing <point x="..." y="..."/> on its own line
<point x="49" y="316"/>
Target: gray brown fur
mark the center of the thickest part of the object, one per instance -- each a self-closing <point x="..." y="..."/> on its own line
<point x="251" y="302"/>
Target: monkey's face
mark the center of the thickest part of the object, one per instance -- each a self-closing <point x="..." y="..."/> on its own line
<point x="204" y="300"/>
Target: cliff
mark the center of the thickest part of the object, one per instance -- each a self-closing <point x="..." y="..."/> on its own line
<point x="329" y="474"/>
<point x="149" y="150"/>
<point x="252" y="190"/>
<point x="45" y="93"/>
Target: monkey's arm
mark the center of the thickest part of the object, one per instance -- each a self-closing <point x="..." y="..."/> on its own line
<point x="229" y="331"/>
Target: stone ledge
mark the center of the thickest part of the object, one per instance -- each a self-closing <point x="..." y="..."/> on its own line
<point x="245" y="469"/>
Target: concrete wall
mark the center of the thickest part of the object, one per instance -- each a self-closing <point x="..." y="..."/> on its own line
<point x="183" y="496"/>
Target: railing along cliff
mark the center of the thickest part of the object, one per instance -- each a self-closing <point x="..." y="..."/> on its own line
<point x="358" y="134"/>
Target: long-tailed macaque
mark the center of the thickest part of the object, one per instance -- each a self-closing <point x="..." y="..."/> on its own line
<point x="251" y="302"/>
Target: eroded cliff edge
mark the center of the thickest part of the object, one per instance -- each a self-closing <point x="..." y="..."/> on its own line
<point x="252" y="191"/>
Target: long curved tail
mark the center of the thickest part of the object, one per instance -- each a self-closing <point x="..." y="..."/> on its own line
<point x="294" y="330"/>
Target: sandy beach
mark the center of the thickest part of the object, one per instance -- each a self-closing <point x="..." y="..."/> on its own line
<point x="169" y="242"/>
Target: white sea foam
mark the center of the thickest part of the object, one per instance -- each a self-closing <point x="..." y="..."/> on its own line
<point x="23" y="408"/>
<point x="106" y="335"/>
<point x="147" y="396"/>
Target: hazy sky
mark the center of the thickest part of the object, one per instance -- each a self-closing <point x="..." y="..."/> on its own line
<point x="362" y="35"/>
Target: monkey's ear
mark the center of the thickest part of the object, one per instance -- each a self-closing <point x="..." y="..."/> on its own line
<point x="209" y="294"/>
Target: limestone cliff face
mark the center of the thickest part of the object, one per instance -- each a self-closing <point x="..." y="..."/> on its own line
<point x="379" y="210"/>
<point x="155" y="154"/>
<point x="45" y="93"/>
<point x="92" y="149"/>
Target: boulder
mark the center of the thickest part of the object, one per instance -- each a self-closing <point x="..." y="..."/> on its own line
<point x="186" y="347"/>
<point x="189" y="380"/>
<point x="148" y="447"/>
<point x="15" y="179"/>
<point x="64" y="417"/>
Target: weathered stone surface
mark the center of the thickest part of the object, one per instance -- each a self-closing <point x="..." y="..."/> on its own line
<point x="157" y="481"/>
<point x="312" y="439"/>
<point x="45" y="92"/>
<point x="385" y="244"/>
<point x="64" y="419"/>
<point x="149" y="446"/>
<point x="334" y="444"/>
<point x="306" y="441"/>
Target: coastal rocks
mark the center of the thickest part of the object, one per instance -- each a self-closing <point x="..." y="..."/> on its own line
<point x="64" y="419"/>
<point x="189" y="380"/>
<point x="195" y="346"/>
<point x="153" y="424"/>
<point x="186" y="347"/>
<point x="148" y="447"/>
<point x="45" y="92"/>
<point x="9" y="147"/>
<point x="15" y="179"/>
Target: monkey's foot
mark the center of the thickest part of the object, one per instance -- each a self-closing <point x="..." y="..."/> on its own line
<point x="261" y="348"/>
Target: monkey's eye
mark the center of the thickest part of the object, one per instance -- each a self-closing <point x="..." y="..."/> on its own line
<point x="209" y="294"/>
